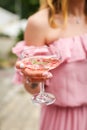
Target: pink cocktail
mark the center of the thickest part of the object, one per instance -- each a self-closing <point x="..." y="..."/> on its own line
<point x="41" y="59"/>
<point x="41" y="62"/>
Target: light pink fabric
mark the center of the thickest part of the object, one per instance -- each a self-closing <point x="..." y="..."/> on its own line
<point x="68" y="84"/>
<point x="63" y="118"/>
<point x="18" y="77"/>
<point x="19" y="48"/>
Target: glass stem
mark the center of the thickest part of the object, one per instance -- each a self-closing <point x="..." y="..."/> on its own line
<point x="42" y="87"/>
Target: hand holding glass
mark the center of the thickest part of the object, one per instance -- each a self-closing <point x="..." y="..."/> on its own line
<point x="45" y="61"/>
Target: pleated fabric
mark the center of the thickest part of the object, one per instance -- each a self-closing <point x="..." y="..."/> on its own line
<point x="63" y="118"/>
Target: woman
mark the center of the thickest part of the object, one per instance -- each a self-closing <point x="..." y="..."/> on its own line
<point x="61" y="23"/>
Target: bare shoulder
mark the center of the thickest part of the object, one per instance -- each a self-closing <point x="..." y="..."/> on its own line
<point x="39" y="18"/>
<point x="35" y="32"/>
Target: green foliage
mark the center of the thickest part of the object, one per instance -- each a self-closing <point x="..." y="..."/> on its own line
<point x="24" y="8"/>
<point x="29" y="7"/>
<point x="8" y="4"/>
<point x="20" y="36"/>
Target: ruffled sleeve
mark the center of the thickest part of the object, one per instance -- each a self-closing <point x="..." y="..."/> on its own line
<point x="20" y="46"/>
<point x="71" y="49"/>
<point x="69" y="81"/>
<point x="18" y="49"/>
<point x="18" y="77"/>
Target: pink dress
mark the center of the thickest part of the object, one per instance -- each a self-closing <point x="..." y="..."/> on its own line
<point x="68" y="84"/>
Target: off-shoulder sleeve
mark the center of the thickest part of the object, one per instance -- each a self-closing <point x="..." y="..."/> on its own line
<point x="71" y="49"/>
<point x="18" y="49"/>
<point x="69" y="81"/>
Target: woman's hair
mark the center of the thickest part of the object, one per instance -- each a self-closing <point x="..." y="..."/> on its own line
<point x="58" y="6"/>
<point x="85" y="10"/>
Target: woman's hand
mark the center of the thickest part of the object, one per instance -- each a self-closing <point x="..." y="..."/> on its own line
<point x="33" y="76"/>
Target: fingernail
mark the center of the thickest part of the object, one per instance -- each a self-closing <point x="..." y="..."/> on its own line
<point x="45" y="73"/>
<point x="49" y="75"/>
<point x="21" y="65"/>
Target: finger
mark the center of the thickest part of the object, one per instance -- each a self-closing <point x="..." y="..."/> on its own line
<point x="35" y="73"/>
<point x="20" y="65"/>
<point x="39" y="79"/>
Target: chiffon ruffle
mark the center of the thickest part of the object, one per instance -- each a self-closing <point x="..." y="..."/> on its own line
<point x="70" y="49"/>
<point x="69" y="81"/>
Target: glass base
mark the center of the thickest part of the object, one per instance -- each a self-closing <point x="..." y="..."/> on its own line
<point x="44" y="98"/>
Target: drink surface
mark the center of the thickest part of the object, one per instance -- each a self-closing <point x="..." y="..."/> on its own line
<point x="41" y="62"/>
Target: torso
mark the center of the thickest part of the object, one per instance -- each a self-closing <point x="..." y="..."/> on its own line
<point x="53" y="34"/>
<point x="72" y="29"/>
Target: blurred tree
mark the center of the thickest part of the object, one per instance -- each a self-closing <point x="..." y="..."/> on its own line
<point x="24" y="8"/>
<point x="29" y="7"/>
<point x="18" y="7"/>
<point x="8" y="4"/>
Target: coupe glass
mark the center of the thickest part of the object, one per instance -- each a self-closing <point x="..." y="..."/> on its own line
<point x="41" y="59"/>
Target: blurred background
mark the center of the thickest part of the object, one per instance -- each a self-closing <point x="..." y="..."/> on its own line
<point x="16" y="109"/>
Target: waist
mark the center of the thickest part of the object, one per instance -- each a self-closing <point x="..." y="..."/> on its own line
<point x="69" y="84"/>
